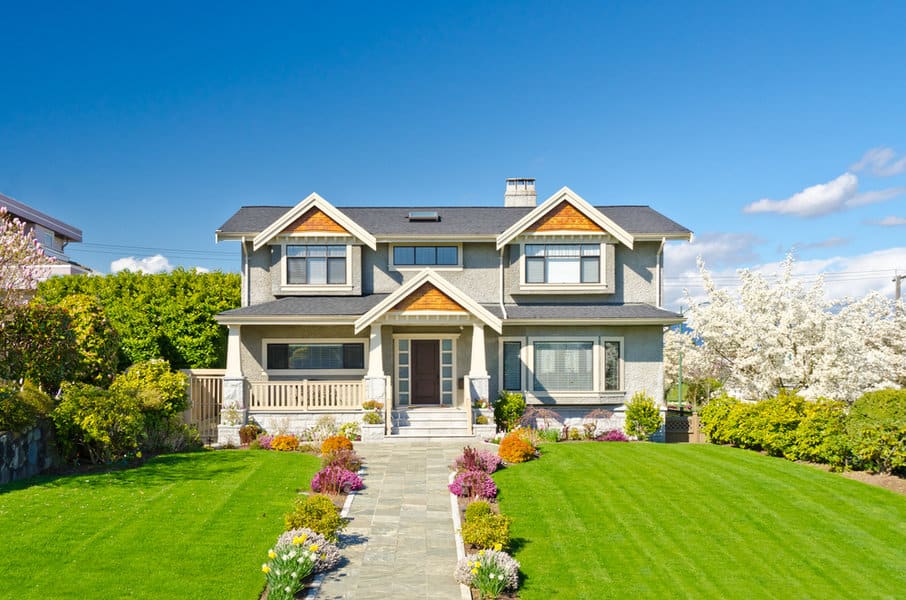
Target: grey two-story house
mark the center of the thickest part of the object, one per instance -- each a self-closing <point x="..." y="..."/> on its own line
<point x="432" y="309"/>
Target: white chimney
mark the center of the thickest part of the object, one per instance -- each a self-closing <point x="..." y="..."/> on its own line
<point x="520" y="192"/>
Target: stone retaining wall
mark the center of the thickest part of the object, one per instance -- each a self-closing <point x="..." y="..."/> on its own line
<point x="26" y="454"/>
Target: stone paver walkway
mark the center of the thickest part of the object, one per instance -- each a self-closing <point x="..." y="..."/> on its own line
<point x="402" y="543"/>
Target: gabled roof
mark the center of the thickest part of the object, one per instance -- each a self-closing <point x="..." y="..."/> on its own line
<point x="314" y="201"/>
<point x="441" y="284"/>
<point x="564" y="195"/>
<point x="31" y="215"/>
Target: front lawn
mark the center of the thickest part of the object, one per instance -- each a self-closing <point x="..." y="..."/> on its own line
<point x="180" y="526"/>
<point x="595" y="520"/>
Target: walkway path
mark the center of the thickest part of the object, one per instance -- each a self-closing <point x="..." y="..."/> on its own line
<point x="403" y="544"/>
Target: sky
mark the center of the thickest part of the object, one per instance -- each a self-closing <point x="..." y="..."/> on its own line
<point x="765" y="128"/>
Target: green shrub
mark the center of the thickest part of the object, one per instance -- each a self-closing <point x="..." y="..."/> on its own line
<point x="22" y="407"/>
<point x="821" y="435"/>
<point x="775" y="421"/>
<point x="318" y="513"/>
<point x="881" y="448"/>
<point x="102" y="425"/>
<point x="155" y="385"/>
<point x="351" y="430"/>
<point x="487" y="531"/>
<point x="549" y="435"/>
<point x="643" y="418"/>
<point x="883" y="407"/>
<point x="97" y="341"/>
<point x="478" y="508"/>
<point x="508" y="410"/>
<point x="713" y="416"/>
<point x="37" y="342"/>
<point x="481" y="420"/>
<point x="372" y="418"/>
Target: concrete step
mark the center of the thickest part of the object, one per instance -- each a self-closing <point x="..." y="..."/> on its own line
<point x="417" y="432"/>
<point x="430" y="422"/>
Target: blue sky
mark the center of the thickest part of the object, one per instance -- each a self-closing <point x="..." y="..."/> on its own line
<point x="148" y="125"/>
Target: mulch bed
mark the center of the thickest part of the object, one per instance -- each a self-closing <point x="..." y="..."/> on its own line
<point x="893" y="483"/>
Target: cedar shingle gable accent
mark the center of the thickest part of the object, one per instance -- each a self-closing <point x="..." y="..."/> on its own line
<point x="314" y="219"/>
<point x="427" y="297"/>
<point x="564" y="217"/>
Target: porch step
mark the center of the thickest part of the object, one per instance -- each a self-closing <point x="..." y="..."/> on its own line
<point x="430" y="422"/>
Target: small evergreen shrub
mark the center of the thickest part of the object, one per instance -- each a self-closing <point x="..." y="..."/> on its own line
<point x="336" y="480"/>
<point x="20" y="408"/>
<point x="515" y="449"/>
<point x="285" y="443"/>
<point x="490" y="531"/>
<point x="473" y="484"/>
<point x="643" y="418"/>
<point x="713" y="418"/>
<point x="481" y="420"/>
<point x="335" y="442"/>
<point x="318" y="513"/>
<point x="102" y="425"/>
<point x="372" y="405"/>
<point x="508" y="409"/>
<point x="881" y="448"/>
<point x="372" y="418"/>
<point x="478" y="508"/>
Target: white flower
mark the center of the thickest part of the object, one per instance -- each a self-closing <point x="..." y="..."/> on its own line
<point x="288" y="589"/>
<point x="294" y="575"/>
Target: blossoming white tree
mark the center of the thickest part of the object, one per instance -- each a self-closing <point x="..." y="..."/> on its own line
<point x="782" y="334"/>
<point x="22" y="261"/>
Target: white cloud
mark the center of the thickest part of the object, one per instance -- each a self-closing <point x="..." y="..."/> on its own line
<point x="813" y="201"/>
<point x="828" y="243"/>
<point x="890" y="221"/>
<point x="852" y="276"/>
<point x="875" y="196"/>
<point x="149" y="265"/>
<point x="882" y="162"/>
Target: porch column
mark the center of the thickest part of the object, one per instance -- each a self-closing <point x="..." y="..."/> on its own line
<point x="478" y="373"/>
<point x="375" y="380"/>
<point x="233" y="410"/>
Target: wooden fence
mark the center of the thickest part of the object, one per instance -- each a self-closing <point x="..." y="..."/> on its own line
<point x="205" y="400"/>
<point x="683" y="428"/>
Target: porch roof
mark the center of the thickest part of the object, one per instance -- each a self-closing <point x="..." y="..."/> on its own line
<point x="347" y="309"/>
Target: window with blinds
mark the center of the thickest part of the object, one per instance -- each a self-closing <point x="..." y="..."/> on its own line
<point x="315" y="264"/>
<point x="563" y="366"/>
<point x="512" y="366"/>
<point x="562" y="263"/>
<point x="316" y="356"/>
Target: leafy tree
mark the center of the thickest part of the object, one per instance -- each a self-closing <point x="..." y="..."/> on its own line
<point x="169" y="316"/>
<point x="97" y="341"/>
<point x="37" y="342"/>
<point x="643" y="418"/>
<point x="22" y="261"/>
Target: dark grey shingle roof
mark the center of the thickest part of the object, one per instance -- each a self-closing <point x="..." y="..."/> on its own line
<point x="358" y="305"/>
<point x="476" y="220"/>
<point x="309" y="306"/>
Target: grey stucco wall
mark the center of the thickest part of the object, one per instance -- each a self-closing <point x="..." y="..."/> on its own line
<point x="265" y="277"/>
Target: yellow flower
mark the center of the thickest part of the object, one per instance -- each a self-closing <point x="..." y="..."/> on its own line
<point x="481" y="553"/>
<point x="265" y="569"/>
<point x="271" y="554"/>
<point x="498" y="547"/>
<point x="313" y="547"/>
<point x="138" y="454"/>
<point x="474" y="571"/>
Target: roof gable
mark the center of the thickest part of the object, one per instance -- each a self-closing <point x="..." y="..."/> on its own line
<point x="564" y="211"/>
<point x="315" y="212"/>
<point x="428" y="291"/>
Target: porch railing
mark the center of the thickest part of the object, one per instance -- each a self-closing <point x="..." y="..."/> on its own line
<point x="205" y="400"/>
<point x="305" y="395"/>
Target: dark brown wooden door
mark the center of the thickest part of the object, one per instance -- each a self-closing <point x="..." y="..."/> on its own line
<point x="425" y="376"/>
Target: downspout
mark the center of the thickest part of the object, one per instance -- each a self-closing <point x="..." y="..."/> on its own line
<point x="502" y="307"/>
<point x="245" y="274"/>
<point x="660" y="287"/>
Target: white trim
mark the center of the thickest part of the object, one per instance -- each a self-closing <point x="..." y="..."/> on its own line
<point x="522" y="352"/>
<point x="285" y="319"/>
<point x="314" y="201"/>
<point x="603" y="286"/>
<point x="314" y="372"/>
<point x="592" y="321"/>
<point x="565" y="194"/>
<point x="620" y="339"/>
<point x="405" y="268"/>
<point x="429" y="276"/>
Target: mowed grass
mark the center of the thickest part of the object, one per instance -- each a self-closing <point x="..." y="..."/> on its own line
<point x="192" y="525"/>
<point x="598" y="520"/>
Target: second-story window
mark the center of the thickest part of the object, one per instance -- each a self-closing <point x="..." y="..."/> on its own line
<point x="562" y="263"/>
<point x="315" y="264"/>
<point x="407" y="256"/>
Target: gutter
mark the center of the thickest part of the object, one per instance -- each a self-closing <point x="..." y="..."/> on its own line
<point x="245" y="274"/>
<point x="502" y="307"/>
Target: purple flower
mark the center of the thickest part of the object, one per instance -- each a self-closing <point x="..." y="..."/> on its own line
<point x="334" y="480"/>
<point x="614" y="435"/>
<point x="473" y="484"/>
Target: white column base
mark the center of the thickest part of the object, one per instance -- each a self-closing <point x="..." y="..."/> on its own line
<point x="375" y="388"/>
<point x="479" y="386"/>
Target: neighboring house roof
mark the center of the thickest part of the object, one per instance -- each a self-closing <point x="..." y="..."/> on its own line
<point x="31" y="215"/>
<point x="642" y="222"/>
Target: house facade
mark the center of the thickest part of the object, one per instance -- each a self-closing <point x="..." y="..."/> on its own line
<point x="431" y="310"/>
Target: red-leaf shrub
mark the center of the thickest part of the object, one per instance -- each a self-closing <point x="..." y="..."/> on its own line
<point x="334" y="480"/>
<point x="473" y="484"/>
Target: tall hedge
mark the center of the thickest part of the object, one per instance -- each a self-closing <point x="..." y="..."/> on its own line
<point x="169" y="315"/>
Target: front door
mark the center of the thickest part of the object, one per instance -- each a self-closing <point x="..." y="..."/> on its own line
<point x="425" y="372"/>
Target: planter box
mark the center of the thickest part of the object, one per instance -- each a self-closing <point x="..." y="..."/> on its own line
<point x="484" y="432"/>
<point x="485" y="412"/>
<point x="228" y="435"/>
<point x="372" y="433"/>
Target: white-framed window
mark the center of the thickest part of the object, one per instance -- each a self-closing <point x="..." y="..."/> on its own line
<point x="511" y="364"/>
<point x="316" y="264"/>
<point x="315" y="357"/>
<point x="562" y="263"/>
<point x="574" y="364"/>
<point x="418" y="256"/>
